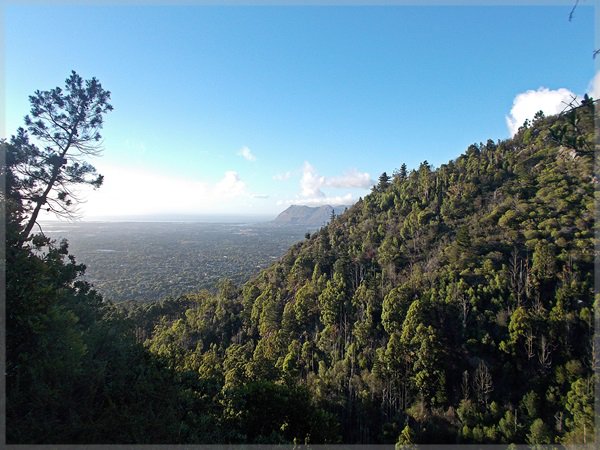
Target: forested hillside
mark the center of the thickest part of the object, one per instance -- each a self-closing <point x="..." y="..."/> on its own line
<point x="450" y="305"/>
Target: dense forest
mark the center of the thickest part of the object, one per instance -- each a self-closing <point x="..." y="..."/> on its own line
<point x="450" y="305"/>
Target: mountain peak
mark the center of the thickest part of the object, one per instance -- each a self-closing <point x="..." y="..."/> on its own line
<point x="311" y="216"/>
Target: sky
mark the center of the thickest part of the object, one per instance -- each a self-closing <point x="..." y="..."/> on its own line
<point x="245" y="110"/>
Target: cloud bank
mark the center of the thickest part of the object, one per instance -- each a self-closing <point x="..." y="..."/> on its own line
<point x="132" y="191"/>
<point x="312" y="184"/>
<point x="351" y="179"/>
<point x="347" y="199"/>
<point x="230" y="186"/>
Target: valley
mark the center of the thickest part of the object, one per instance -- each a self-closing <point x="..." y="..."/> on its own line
<point x="146" y="261"/>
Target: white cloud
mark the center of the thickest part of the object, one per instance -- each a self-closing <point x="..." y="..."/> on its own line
<point x="526" y="104"/>
<point x="311" y="185"/>
<point x="230" y="186"/>
<point x="311" y="182"/>
<point x="550" y="101"/>
<point x="318" y="201"/>
<point x="351" y="179"/>
<point x="282" y="176"/>
<point x="594" y="87"/>
<point x="347" y="199"/>
<point x="132" y="191"/>
<point x="247" y="154"/>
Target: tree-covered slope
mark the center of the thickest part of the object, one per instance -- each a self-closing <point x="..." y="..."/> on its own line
<point x="450" y="305"/>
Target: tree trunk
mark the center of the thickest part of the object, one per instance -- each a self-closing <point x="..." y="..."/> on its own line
<point x="55" y="171"/>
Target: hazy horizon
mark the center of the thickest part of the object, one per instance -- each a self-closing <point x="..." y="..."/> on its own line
<point x="200" y="218"/>
<point x="231" y="218"/>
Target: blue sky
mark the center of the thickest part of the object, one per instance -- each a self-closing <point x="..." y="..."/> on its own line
<point x="246" y="110"/>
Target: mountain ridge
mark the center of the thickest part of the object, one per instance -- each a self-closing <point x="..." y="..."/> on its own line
<point x="311" y="216"/>
<point x="447" y="306"/>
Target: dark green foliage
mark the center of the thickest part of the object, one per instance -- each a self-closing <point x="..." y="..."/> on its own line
<point x="74" y="372"/>
<point x="263" y="412"/>
<point x="68" y="122"/>
<point x="384" y="182"/>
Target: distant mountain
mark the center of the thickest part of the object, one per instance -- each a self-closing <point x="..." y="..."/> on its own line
<point x="312" y="216"/>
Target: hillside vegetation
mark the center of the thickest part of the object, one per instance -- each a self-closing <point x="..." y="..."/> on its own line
<point x="450" y="305"/>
